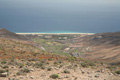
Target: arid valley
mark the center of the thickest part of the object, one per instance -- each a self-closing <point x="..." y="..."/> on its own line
<point x="59" y="56"/>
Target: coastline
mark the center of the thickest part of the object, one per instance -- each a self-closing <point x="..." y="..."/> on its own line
<point x="53" y="33"/>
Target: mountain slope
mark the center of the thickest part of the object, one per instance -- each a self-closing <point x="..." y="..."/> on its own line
<point x="7" y="34"/>
<point x="112" y="38"/>
<point x="103" y="47"/>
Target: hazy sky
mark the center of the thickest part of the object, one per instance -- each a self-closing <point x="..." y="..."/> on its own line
<point x="60" y="15"/>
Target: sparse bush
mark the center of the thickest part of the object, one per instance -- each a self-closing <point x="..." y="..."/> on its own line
<point x="91" y="64"/>
<point x="57" y="62"/>
<point x="19" y="73"/>
<point x="71" y="59"/>
<point x="47" y="63"/>
<point x="84" y="64"/>
<point x="87" y="64"/>
<point x="38" y="65"/>
<point x="75" y="65"/>
<point x="20" y="65"/>
<point x="43" y="67"/>
<point x="54" y="76"/>
<point x="50" y="59"/>
<point x="49" y="69"/>
<point x="35" y="54"/>
<point x="2" y="71"/>
<point x="12" y="59"/>
<point x="66" y="71"/>
<point x="60" y="66"/>
<point x="112" y="68"/>
<point x="60" y="61"/>
<point x="25" y="70"/>
<point x="43" y="61"/>
<point x="117" y="72"/>
<point x="3" y="62"/>
<point x="33" y="59"/>
<point x="102" y="63"/>
<point x="5" y="67"/>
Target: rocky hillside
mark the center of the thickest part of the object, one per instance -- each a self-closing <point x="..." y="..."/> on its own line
<point x="55" y="70"/>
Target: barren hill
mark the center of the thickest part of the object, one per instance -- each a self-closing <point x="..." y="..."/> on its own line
<point x="7" y="34"/>
<point x="112" y="38"/>
<point x="104" y="47"/>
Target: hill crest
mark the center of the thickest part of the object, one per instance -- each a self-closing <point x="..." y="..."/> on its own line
<point x="7" y="34"/>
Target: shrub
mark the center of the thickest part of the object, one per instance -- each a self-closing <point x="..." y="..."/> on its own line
<point x="112" y="67"/>
<point x="3" y="71"/>
<point x="19" y="73"/>
<point x="54" y="76"/>
<point x="71" y="59"/>
<point x="3" y="62"/>
<point x="25" y="70"/>
<point x="60" y="66"/>
<point x="5" y="67"/>
<point x="66" y="71"/>
<point x="91" y="64"/>
<point x="12" y="59"/>
<point x="20" y="65"/>
<point x="43" y="61"/>
<point x="84" y="64"/>
<point x="117" y="72"/>
<point x="49" y="69"/>
<point x="50" y="59"/>
<point x="38" y="65"/>
<point x="87" y="64"/>
<point x="60" y="62"/>
<point x="43" y="67"/>
<point x="56" y="63"/>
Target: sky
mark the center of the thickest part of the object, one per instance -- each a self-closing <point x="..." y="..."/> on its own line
<point x="87" y="16"/>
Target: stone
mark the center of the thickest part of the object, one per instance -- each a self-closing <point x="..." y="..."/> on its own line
<point x="21" y="77"/>
<point x="61" y="77"/>
<point x="56" y="68"/>
<point x="31" y="77"/>
<point x="31" y="69"/>
<point x="66" y="76"/>
<point x="12" y="79"/>
<point x="102" y="70"/>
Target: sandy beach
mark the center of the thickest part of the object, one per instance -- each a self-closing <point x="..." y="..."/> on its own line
<point x="53" y="33"/>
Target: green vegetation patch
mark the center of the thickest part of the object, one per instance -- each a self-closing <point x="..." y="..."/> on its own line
<point x="88" y="64"/>
<point x="3" y="62"/>
<point x="54" y="76"/>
